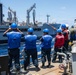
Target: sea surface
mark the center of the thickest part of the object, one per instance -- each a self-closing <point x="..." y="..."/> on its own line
<point x="4" y="50"/>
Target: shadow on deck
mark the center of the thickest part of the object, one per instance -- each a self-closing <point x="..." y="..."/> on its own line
<point x="53" y="70"/>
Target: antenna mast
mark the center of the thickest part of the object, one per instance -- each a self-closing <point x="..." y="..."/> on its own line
<point x="48" y="18"/>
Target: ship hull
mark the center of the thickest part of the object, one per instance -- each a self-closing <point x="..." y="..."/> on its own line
<point x="37" y="30"/>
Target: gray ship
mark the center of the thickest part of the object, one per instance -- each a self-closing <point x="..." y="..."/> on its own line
<point x="37" y="29"/>
<point x="65" y="68"/>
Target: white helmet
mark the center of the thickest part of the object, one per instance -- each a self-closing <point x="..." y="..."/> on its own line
<point x="67" y="25"/>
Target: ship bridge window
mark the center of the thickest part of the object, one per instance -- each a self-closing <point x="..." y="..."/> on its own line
<point x="37" y="29"/>
<point x="23" y="29"/>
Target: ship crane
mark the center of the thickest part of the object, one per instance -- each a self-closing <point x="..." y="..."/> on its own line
<point x="9" y="16"/>
<point x="28" y="13"/>
<point x="14" y="14"/>
<point x="34" y="16"/>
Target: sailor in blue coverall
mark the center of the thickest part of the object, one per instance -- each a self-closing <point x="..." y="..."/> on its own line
<point x="30" y="49"/>
<point x="14" y="38"/>
<point x="46" y="47"/>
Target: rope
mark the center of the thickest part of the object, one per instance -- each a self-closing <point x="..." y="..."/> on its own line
<point x="7" y="9"/>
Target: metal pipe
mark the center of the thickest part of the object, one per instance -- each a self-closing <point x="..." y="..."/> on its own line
<point x="70" y="54"/>
<point x="70" y="62"/>
<point x="64" y="62"/>
<point x="65" y="56"/>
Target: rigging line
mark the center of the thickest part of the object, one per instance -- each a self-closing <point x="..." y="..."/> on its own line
<point x="20" y="18"/>
<point x="0" y="1"/>
<point x="7" y="9"/>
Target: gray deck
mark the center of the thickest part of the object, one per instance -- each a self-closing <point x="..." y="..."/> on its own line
<point x="53" y="70"/>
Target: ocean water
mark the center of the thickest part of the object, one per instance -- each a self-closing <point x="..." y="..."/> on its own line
<point x="4" y="50"/>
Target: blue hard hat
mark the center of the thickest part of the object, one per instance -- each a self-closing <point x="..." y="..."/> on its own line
<point x="30" y="30"/>
<point x="13" y="25"/>
<point x="63" y="26"/>
<point x="59" y="30"/>
<point x="46" y="30"/>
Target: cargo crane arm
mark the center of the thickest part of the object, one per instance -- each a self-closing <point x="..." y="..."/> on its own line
<point x="28" y="13"/>
<point x="34" y="17"/>
<point x="14" y="13"/>
<point x="10" y="10"/>
<point x="34" y="6"/>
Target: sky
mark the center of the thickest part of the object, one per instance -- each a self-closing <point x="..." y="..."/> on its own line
<point x="60" y="11"/>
